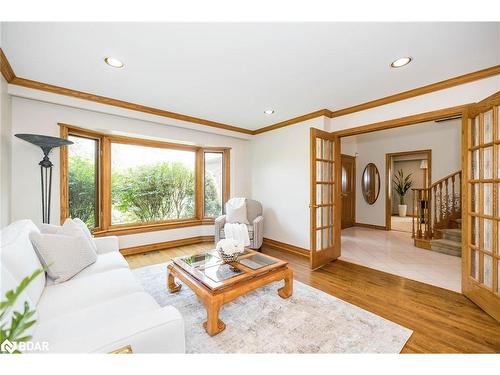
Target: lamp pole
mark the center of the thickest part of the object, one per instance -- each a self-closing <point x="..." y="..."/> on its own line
<point x="46" y="143"/>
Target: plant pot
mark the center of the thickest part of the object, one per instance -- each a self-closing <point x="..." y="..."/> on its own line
<point x="402" y="210"/>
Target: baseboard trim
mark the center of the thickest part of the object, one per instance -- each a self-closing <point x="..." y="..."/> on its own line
<point x="166" y="245"/>
<point x="277" y="245"/>
<point x="372" y="226"/>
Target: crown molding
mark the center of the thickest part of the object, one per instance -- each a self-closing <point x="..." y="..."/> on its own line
<point x="447" y="83"/>
<point x="282" y="124"/>
<point x="11" y="78"/>
<point x="5" y="68"/>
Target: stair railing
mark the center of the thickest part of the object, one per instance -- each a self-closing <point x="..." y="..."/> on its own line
<point x="437" y="206"/>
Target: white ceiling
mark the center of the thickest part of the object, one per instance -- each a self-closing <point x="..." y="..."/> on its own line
<point x="232" y="72"/>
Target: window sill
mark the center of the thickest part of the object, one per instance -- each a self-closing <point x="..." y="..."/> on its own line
<point x="123" y="230"/>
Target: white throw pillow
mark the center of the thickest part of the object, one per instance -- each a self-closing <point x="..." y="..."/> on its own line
<point x="64" y="255"/>
<point x="83" y="227"/>
<point x="236" y="211"/>
<point x="76" y="227"/>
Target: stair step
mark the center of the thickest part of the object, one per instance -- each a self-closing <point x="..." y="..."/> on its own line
<point x="447" y="247"/>
<point x="459" y="222"/>
<point x="452" y="234"/>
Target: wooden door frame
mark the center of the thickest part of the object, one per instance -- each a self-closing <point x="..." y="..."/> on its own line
<point x="388" y="179"/>
<point x="353" y="187"/>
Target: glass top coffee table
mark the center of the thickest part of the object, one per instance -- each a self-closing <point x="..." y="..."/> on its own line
<point x="217" y="283"/>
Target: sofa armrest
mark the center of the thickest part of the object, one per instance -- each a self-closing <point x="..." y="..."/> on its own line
<point x="155" y="331"/>
<point x="258" y="231"/>
<point x="106" y="244"/>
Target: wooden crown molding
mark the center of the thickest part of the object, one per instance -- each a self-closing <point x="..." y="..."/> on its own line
<point x="11" y="78"/>
<point x="5" y="68"/>
<point x="447" y="83"/>
<point x="282" y="124"/>
<point x="403" y="121"/>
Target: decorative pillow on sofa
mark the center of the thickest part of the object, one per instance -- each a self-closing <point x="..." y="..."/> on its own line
<point x="76" y="227"/>
<point x="65" y="253"/>
<point x="236" y="211"/>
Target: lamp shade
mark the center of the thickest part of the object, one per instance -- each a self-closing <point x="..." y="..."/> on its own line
<point x="424" y="164"/>
<point x="45" y="142"/>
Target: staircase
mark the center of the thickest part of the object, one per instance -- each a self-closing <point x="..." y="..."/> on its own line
<point x="438" y="224"/>
<point x="450" y="242"/>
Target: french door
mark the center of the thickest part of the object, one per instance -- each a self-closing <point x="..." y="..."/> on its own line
<point x="481" y="203"/>
<point x="325" y="198"/>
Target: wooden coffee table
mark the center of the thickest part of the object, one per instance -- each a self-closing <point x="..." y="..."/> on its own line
<point x="216" y="283"/>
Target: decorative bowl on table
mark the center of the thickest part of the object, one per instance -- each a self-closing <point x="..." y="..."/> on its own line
<point x="228" y="258"/>
<point x="229" y="250"/>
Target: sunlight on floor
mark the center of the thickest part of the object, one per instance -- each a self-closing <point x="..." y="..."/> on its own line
<point x="393" y="252"/>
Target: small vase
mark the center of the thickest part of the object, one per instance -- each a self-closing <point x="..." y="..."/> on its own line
<point x="402" y="210"/>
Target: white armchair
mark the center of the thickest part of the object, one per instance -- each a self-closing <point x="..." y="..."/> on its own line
<point x="255" y="228"/>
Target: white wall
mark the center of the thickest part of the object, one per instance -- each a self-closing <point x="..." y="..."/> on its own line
<point x="442" y="138"/>
<point x="280" y="181"/>
<point x="31" y="116"/>
<point x="5" y="153"/>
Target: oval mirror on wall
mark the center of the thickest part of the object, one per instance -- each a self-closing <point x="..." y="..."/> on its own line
<point x="370" y="183"/>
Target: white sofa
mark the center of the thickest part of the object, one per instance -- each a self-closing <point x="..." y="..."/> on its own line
<point x="101" y="309"/>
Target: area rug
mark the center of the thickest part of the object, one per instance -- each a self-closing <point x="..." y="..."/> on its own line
<point x="310" y="321"/>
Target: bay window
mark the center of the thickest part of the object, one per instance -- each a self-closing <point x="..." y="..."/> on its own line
<point x="125" y="185"/>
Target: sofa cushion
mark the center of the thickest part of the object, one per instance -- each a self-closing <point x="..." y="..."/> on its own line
<point x="79" y="293"/>
<point x="19" y="257"/>
<point x="60" y="328"/>
<point x="63" y="255"/>
<point x="105" y="262"/>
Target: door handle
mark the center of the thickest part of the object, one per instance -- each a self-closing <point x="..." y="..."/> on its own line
<point x="313" y="206"/>
<point x="344" y="195"/>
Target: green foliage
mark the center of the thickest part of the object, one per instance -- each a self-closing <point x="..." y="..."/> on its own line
<point x="20" y="321"/>
<point x="402" y="184"/>
<point x="141" y="194"/>
<point x="82" y="189"/>
<point x="154" y="192"/>
<point x="213" y="202"/>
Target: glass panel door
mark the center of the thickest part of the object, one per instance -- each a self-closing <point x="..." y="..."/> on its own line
<point x="481" y="255"/>
<point x="325" y="219"/>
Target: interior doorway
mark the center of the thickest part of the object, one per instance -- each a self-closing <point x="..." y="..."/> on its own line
<point x="348" y="191"/>
<point x="380" y="238"/>
<point x="409" y="170"/>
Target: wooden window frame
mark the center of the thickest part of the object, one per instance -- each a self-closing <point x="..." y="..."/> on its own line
<point x="105" y="226"/>
<point x="225" y="177"/>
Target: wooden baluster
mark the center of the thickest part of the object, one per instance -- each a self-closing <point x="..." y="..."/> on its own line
<point x="460" y="191"/>
<point x="415" y="209"/>
<point x="447" y="197"/>
<point x="435" y="205"/>
<point x="441" y="201"/>
<point x="453" y="208"/>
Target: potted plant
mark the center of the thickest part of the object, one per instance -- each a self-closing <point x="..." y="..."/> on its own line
<point x="402" y="184"/>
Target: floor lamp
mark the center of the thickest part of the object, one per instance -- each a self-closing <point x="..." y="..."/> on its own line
<point x="46" y="143"/>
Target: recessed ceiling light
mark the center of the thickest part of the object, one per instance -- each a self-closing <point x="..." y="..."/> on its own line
<point x="115" y="63"/>
<point x="402" y="61"/>
<point x="269" y="111"/>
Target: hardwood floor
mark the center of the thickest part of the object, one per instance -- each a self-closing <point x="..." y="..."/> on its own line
<point x="443" y="321"/>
